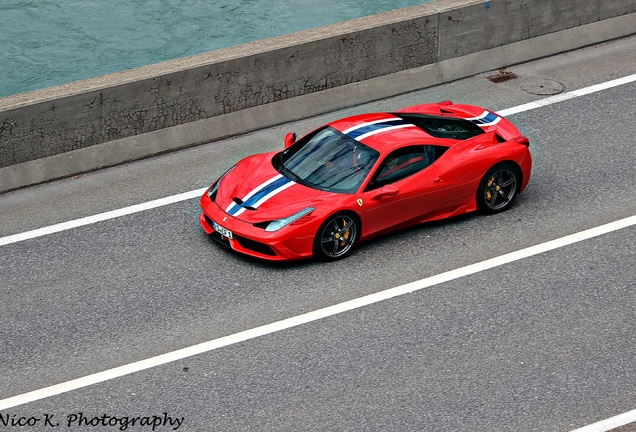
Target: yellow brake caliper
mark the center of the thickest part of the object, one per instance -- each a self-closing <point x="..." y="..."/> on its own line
<point x="488" y="194"/>
<point x="345" y="235"/>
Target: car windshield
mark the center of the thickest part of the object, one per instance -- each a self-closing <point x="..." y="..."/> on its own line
<point x="327" y="160"/>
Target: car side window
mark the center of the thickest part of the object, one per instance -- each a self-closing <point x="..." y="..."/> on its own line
<point x="403" y="163"/>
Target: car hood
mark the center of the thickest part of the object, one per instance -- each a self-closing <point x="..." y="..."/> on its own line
<point x="255" y="192"/>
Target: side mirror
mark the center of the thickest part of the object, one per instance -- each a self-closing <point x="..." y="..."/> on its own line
<point x="386" y="191"/>
<point x="290" y="138"/>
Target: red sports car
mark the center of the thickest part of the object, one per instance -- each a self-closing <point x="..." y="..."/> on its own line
<point x="365" y="175"/>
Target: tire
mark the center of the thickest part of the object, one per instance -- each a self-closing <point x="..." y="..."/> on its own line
<point x="498" y="189"/>
<point x="336" y="237"/>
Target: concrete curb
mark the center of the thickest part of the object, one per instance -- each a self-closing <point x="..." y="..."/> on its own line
<point x="214" y="128"/>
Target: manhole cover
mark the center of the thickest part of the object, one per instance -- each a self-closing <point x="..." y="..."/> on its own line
<point x="542" y="86"/>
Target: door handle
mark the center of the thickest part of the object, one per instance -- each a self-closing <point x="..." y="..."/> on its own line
<point x="437" y="180"/>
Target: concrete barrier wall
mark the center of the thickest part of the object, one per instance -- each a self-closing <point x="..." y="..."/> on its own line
<point x="82" y="126"/>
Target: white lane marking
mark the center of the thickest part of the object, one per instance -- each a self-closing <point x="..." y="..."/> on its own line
<point x="313" y="316"/>
<point x="196" y="193"/>
<point x="566" y="96"/>
<point x="101" y="217"/>
<point x="610" y="423"/>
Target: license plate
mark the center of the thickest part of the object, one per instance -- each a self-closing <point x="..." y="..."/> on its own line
<point x="223" y="231"/>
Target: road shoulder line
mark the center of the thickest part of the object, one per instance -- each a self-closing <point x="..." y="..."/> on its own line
<point x="316" y="315"/>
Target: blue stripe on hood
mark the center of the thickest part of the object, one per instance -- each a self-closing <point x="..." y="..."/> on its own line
<point x="259" y="195"/>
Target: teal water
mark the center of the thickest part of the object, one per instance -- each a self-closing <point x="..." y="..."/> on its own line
<point x="49" y="42"/>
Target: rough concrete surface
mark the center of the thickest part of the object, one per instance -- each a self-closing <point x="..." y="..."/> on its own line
<point x="86" y="125"/>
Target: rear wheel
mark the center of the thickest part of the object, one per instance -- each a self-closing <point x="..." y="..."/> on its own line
<point x="336" y="237"/>
<point x="498" y="189"/>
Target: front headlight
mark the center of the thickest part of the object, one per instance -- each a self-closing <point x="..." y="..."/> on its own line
<point x="215" y="185"/>
<point x="280" y="223"/>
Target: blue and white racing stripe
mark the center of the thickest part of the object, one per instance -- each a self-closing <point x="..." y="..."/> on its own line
<point x="260" y="194"/>
<point x="485" y="119"/>
<point x="364" y="130"/>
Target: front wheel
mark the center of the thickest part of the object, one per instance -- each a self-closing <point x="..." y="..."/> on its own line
<point x="336" y="237"/>
<point x="498" y="189"/>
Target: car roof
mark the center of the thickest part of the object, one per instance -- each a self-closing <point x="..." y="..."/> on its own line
<point x="442" y="124"/>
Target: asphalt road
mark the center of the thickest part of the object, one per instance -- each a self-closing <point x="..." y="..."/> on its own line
<point x="547" y="343"/>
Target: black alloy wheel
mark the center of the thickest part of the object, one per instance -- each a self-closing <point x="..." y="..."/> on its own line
<point x="336" y="237"/>
<point x="498" y="189"/>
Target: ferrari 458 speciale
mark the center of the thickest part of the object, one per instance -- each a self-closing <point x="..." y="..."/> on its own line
<point x="366" y="175"/>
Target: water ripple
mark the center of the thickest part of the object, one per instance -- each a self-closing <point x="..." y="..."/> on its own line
<point x="45" y="43"/>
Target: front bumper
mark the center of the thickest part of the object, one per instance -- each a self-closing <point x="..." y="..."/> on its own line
<point x="289" y="243"/>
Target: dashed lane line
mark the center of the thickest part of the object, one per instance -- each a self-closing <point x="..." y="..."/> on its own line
<point x="196" y="193"/>
<point x="601" y="426"/>
<point x="316" y="315"/>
